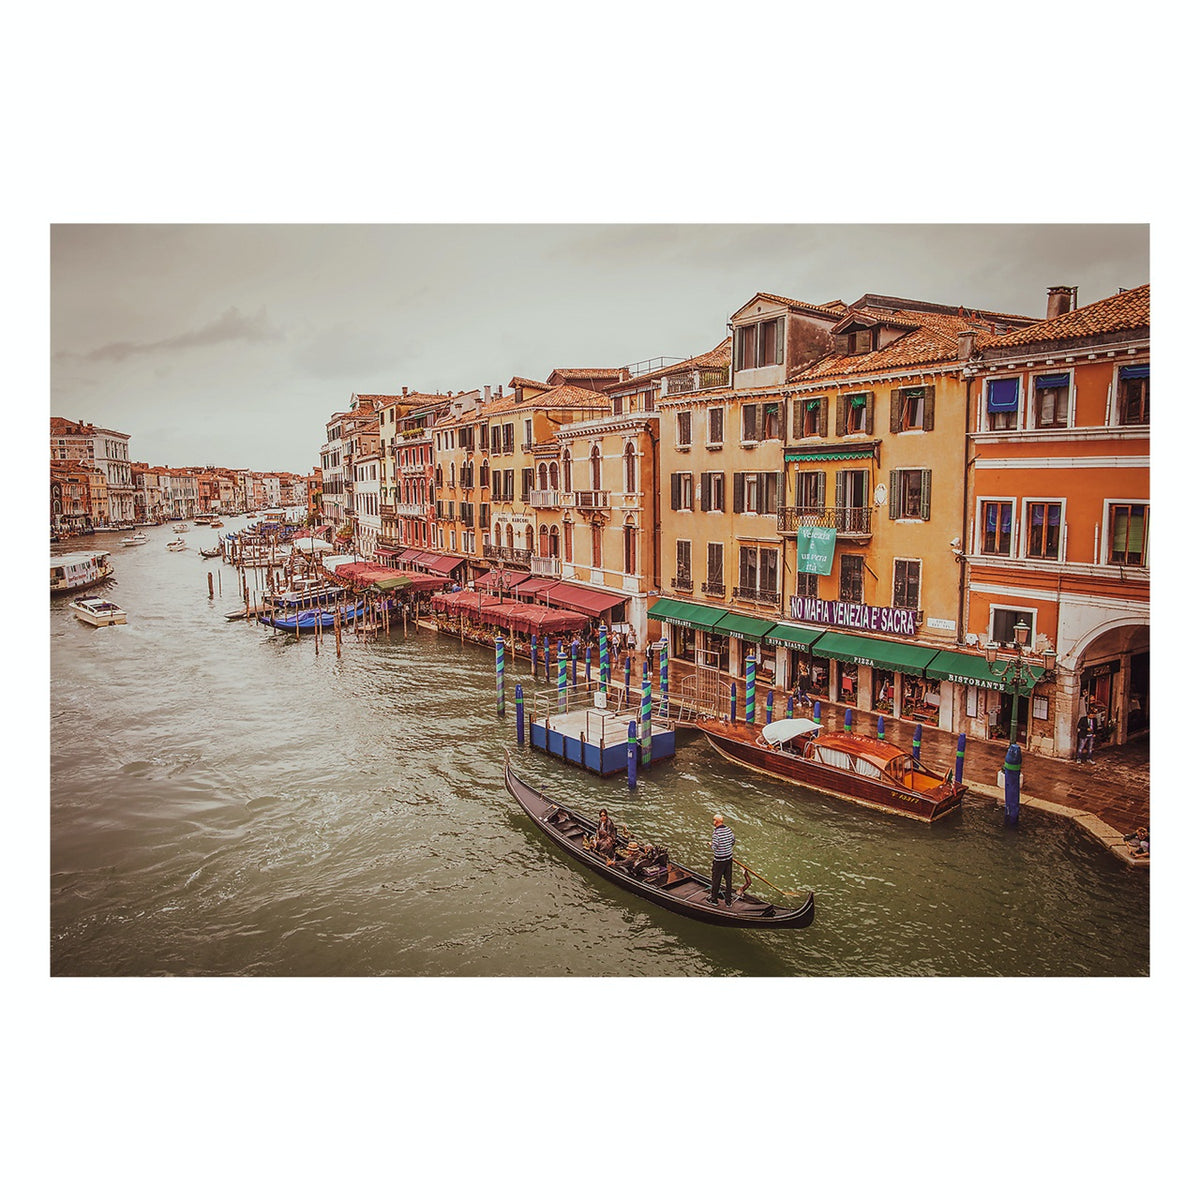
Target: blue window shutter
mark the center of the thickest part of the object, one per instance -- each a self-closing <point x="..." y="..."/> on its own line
<point x="1137" y="371"/>
<point x="1002" y="395"/>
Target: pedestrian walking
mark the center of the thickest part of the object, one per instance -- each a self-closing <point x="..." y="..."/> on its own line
<point x="722" y="867"/>
<point x="1086" y="743"/>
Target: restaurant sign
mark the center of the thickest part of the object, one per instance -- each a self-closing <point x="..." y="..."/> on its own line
<point x="842" y="614"/>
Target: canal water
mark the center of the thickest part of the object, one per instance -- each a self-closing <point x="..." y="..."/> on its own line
<point x="226" y="801"/>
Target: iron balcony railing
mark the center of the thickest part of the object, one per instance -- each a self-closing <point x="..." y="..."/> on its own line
<point x="850" y="522"/>
<point x="713" y="587"/>
<point x="682" y="583"/>
<point x="757" y="596"/>
<point x="515" y="554"/>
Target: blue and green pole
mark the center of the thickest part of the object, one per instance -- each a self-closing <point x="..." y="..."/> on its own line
<point x="562" y="679"/>
<point x="917" y="743"/>
<point x="646" y="742"/>
<point x="604" y="658"/>
<point x="960" y="756"/>
<point x="499" y="675"/>
<point x="520" y="697"/>
<point x="770" y="705"/>
<point x="751" y="667"/>
<point x="1012" y="785"/>
<point x="631" y="754"/>
<point x="574" y="661"/>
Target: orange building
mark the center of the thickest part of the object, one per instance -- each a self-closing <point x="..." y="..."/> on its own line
<point x="1057" y="536"/>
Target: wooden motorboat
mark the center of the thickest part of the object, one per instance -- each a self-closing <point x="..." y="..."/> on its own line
<point x="867" y="770"/>
<point x="95" y="610"/>
<point x="180" y="528"/>
<point x="177" y="544"/>
<point x="135" y="539"/>
<point x="679" y="888"/>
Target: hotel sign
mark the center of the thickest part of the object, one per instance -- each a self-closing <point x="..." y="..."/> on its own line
<point x="842" y="614"/>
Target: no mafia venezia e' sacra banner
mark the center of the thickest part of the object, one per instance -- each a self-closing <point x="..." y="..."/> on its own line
<point x="843" y="614"/>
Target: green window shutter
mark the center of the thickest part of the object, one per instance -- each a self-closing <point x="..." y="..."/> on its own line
<point x="870" y="423"/>
<point x="823" y="418"/>
<point x="839" y="491"/>
<point x="840" y="427"/>
<point x="926" y="486"/>
<point x="821" y="489"/>
<point x="928" y="421"/>
<point x="798" y="417"/>
<point x="896" y="403"/>
<point x="893" y="494"/>
<point x="779" y="340"/>
<point x="674" y="492"/>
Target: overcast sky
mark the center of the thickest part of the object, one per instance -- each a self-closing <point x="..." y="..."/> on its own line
<point x="232" y="344"/>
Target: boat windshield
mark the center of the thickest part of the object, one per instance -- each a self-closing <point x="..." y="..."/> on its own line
<point x="846" y="762"/>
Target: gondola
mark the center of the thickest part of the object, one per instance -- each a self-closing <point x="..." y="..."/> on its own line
<point x="682" y="890"/>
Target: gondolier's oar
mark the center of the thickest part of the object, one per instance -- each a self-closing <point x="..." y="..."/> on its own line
<point x="746" y="885"/>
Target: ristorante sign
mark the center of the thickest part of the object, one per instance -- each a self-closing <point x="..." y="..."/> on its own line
<point x="843" y="614"/>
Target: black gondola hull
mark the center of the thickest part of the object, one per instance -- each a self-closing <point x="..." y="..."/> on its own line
<point x="687" y="891"/>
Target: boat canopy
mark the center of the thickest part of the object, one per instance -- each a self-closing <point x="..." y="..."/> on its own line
<point x="779" y="732"/>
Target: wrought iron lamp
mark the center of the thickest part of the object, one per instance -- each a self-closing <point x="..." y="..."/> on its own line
<point x="1016" y="673"/>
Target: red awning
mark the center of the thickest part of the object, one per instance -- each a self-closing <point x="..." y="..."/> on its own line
<point x="582" y="599"/>
<point x="534" y="586"/>
<point x="440" y="564"/>
<point x="408" y="556"/>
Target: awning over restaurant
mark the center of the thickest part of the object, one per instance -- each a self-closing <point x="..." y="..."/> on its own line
<point x="409" y="556"/>
<point x="799" y="637"/>
<point x="439" y="564"/>
<point x="750" y="629"/>
<point x="973" y="669"/>
<point x="535" y="585"/>
<point x="684" y="612"/>
<point x="582" y="599"/>
<point x="874" y="652"/>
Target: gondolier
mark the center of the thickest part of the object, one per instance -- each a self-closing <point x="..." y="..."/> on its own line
<point x="722" y="867"/>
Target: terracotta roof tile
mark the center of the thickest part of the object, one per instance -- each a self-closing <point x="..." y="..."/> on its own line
<point x="1115" y="314"/>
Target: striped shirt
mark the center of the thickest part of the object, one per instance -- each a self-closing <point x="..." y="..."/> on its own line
<point x="723" y="840"/>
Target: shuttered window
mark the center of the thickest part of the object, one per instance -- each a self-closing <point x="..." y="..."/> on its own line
<point x="716" y="563"/>
<point x="911" y="408"/>
<point x="908" y="494"/>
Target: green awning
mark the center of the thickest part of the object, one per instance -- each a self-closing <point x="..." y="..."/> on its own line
<point x="875" y="652"/>
<point x="752" y="629"/>
<point x="799" y="636"/>
<point x="973" y="669"/>
<point x="387" y="585"/>
<point x="826" y="455"/>
<point x="684" y="612"/>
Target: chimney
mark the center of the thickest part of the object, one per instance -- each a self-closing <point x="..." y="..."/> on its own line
<point x="966" y="344"/>
<point x="404" y="391"/>
<point x="1060" y="300"/>
<point x="487" y="393"/>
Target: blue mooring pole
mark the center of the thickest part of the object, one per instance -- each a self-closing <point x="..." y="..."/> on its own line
<point x="879" y="729"/>
<point x="574" y="661"/>
<point x="817" y="711"/>
<point x="587" y="664"/>
<point x="791" y="705"/>
<point x="959" y="757"/>
<point x="733" y="704"/>
<point x="520" y="696"/>
<point x="631" y="754"/>
<point x="1012" y="784"/>
<point x="547" y="661"/>
<point x="848" y="720"/>
<point x="917" y="743"/>
<point x="770" y="705"/>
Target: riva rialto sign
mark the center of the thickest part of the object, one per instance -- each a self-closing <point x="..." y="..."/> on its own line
<point x="843" y="614"/>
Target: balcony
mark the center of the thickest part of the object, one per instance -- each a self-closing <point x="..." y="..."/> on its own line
<point x="514" y="554"/>
<point x="592" y="501"/>
<point x="545" y="499"/>
<point x="849" y="522"/>
<point x="713" y="587"/>
<point x="682" y="583"/>
<point x="629" y="501"/>
<point x="541" y="565"/>
<point x="410" y="510"/>
<point x="757" y="596"/>
<point x="412" y="468"/>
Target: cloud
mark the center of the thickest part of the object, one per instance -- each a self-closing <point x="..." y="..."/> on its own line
<point x="230" y="326"/>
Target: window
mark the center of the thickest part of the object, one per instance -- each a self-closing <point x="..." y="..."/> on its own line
<point x="750" y="425"/>
<point x="509" y="439"/>
<point x="1003" y="398"/>
<point x="630" y="463"/>
<point x="810" y="490"/>
<point x="909" y="495"/>
<point x="553" y="543"/>
<point x="810" y="416"/>
<point x="630" y="548"/>
<point x="568" y="541"/>
<point x="526" y="483"/>
<point x="912" y="408"/>
<point x="906" y="583"/>
<point x="712" y="491"/>
<point x="756" y="492"/>
<point x="852" y="501"/>
<point x="806" y="585"/>
<point x="683" y="564"/>
<point x="681" y="491"/>
<point x="772" y="426"/>
<point x="566" y="471"/>
<point x="715" y="579"/>
<point x="997" y="527"/>
<point x="1043" y="522"/>
<point x="716" y="426"/>
<point x="495" y="439"/>
<point x="1127" y="525"/>
<point x="1004" y="624"/>
<point x="856" y="413"/>
<point x="758" y="573"/>
<point x="683" y="429"/>
<point x="1133" y="395"/>
<point x="1051" y="399"/>
<point x="618" y="405"/>
<point x="758" y="345"/>
<point x="595" y="461"/>
<point x="850" y="583"/>
<point x="597" y="540"/>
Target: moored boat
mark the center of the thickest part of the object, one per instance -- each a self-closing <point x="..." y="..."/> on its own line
<point x="300" y="619"/>
<point x="674" y="887"/>
<point x="70" y="572"/>
<point x="867" y="770"/>
<point x="95" y="610"/>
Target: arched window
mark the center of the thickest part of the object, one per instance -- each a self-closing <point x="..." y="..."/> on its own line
<point x="553" y="541"/>
<point x="566" y="472"/>
<point x="568" y="541"/>
<point x="630" y="550"/>
<point x="543" y="541"/>
<point x="508" y="536"/>
<point x="554" y="474"/>
<point x="497" y="539"/>
<point x="630" y="462"/>
<point x="595" y="468"/>
<point x="543" y="476"/>
<point x="529" y="538"/>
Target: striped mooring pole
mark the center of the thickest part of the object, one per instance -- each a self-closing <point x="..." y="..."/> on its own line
<point x="533" y="652"/>
<point x="574" y="661"/>
<point x="562" y="679"/>
<point x="520" y="698"/>
<point x="604" y="658"/>
<point x="587" y="664"/>
<point x="665" y="708"/>
<point x="499" y="675"/>
<point x="631" y="754"/>
<point x="960" y="757"/>
<point x="917" y="743"/>
<point x="770" y="705"/>
<point x="646" y="742"/>
<point x="751" y="667"/>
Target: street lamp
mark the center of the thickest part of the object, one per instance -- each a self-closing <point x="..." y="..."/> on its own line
<point x="1016" y="673"/>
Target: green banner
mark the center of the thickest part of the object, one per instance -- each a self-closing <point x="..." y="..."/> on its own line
<point x="814" y="549"/>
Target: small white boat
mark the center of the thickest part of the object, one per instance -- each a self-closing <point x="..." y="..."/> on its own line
<point x="135" y="539"/>
<point x="180" y="528"/>
<point x="70" y="572"/>
<point x="177" y="544"/>
<point x="96" y="611"/>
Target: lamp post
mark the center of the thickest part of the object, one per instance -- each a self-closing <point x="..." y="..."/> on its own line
<point x="1016" y="674"/>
